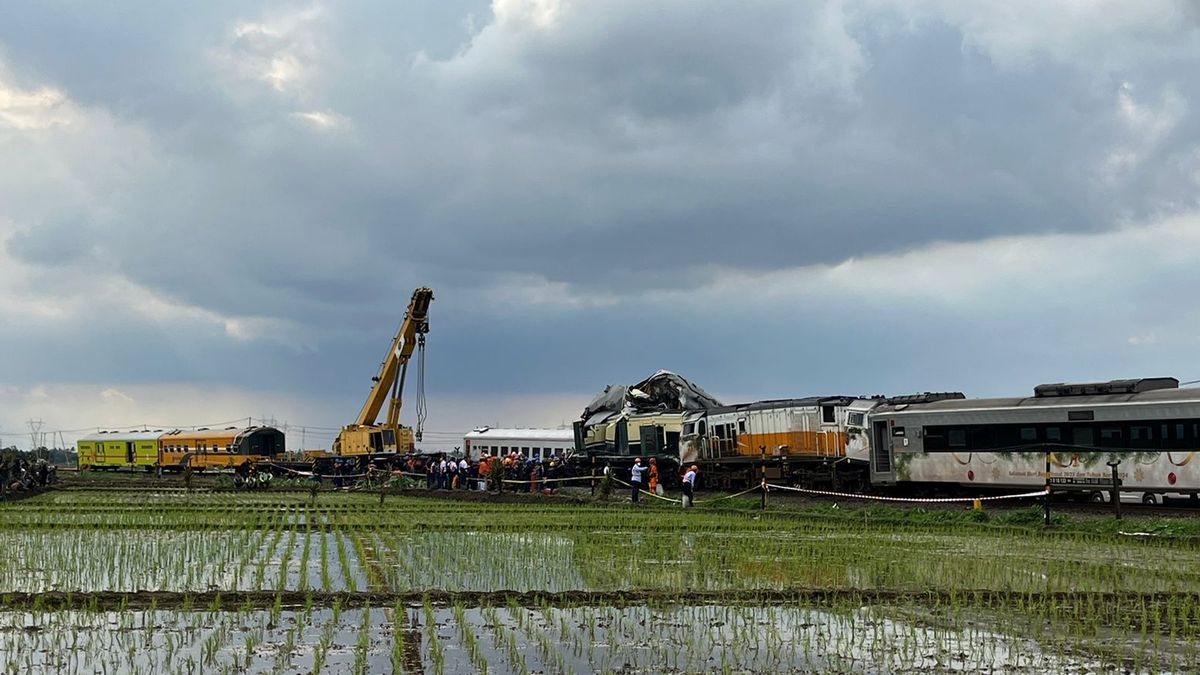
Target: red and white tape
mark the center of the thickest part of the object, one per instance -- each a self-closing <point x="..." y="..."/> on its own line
<point x="910" y="500"/>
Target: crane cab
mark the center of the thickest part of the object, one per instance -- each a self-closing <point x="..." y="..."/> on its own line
<point x="357" y="440"/>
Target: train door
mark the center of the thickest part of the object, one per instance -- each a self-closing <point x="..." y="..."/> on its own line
<point x="578" y="432"/>
<point x="689" y="442"/>
<point x="882" y="469"/>
<point x="649" y="439"/>
<point x="129" y="456"/>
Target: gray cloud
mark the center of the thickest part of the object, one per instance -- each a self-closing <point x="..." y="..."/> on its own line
<point x="54" y="244"/>
<point x="299" y="169"/>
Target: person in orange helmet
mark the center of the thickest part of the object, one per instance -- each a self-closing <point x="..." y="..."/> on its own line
<point x="635" y="479"/>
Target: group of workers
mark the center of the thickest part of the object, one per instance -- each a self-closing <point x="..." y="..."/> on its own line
<point x="642" y="477"/>
<point x="513" y="471"/>
<point x="19" y="474"/>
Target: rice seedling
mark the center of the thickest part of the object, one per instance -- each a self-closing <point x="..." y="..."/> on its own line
<point x="218" y="584"/>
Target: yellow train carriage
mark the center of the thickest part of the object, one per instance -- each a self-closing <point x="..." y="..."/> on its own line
<point x="215" y="449"/>
<point x="119" y="450"/>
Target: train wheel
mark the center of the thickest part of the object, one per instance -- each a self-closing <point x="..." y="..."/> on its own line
<point x="1097" y="498"/>
<point x="1150" y="498"/>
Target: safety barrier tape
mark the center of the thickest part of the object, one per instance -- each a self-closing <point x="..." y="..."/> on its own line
<point x="756" y="488"/>
<point x="910" y="500"/>
<point x="647" y="492"/>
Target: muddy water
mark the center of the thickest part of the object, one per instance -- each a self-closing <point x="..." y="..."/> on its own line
<point x="589" y="639"/>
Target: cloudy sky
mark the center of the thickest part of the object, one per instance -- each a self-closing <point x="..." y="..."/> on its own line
<point x="221" y="213"/>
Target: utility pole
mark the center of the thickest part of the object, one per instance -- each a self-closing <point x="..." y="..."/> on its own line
<point x="35" y="428"/>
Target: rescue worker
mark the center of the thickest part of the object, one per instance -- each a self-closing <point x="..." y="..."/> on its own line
<point x="635" y="478"/>
<point x="653" y="473"/>
<point x="485" y="468"/>
<point x="535" y="476"/>
<point x="689" y="486"/>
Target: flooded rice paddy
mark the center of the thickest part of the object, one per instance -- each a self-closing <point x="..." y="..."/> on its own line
<point x="172" y="582"/>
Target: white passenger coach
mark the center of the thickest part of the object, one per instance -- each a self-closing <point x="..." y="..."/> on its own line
<point x="538" y="444"/>
<point x="1150" y="425"/>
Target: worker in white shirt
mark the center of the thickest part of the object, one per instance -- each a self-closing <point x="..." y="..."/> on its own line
<point x="635" y="478"/>
<point x="689" y="486"/>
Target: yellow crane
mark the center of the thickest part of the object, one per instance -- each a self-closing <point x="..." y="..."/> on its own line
<point x="366" y="437"/>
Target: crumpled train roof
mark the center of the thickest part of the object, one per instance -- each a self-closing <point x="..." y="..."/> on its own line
<point x="664" y="390"/>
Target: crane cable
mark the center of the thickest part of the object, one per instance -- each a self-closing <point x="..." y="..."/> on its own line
<point x="422" y="406"/>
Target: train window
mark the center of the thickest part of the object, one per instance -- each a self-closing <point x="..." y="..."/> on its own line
<point x="855" y="419"/>
<point x="1110" y="437"/>
<point x="1053" y="434"/>
<point x="1080" y="415"/>
<point x="742" y="425"/>
<point x="1028" y="434"/>
<point x="701" y="427"/>
<point x="935" y="438"/>
<point x="525" y="452"/>
<point x="1141" y="437"/>
<point x="957" y="438"/>
<point x="689" y="428"/>
<point x="1083" y="436"/>
<point x="827" y="414"/>
<point x="1179" y="432"/>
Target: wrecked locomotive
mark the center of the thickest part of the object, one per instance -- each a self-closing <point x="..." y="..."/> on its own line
<point x="816" y="441"/>
<point x="923" y="443"/>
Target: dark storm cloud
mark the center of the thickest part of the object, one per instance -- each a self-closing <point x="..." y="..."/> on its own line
<point x="314" y="163"/>
<point x="587" y="151"/>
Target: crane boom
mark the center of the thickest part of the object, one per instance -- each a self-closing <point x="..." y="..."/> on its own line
<point x="365" y="436"/>
<point x="416" y="323"/>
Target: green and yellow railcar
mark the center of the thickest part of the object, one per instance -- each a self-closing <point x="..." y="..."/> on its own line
<point x="227" y="448"/>
<point x="119" y="450"/>
<point x="173" y="450"/>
